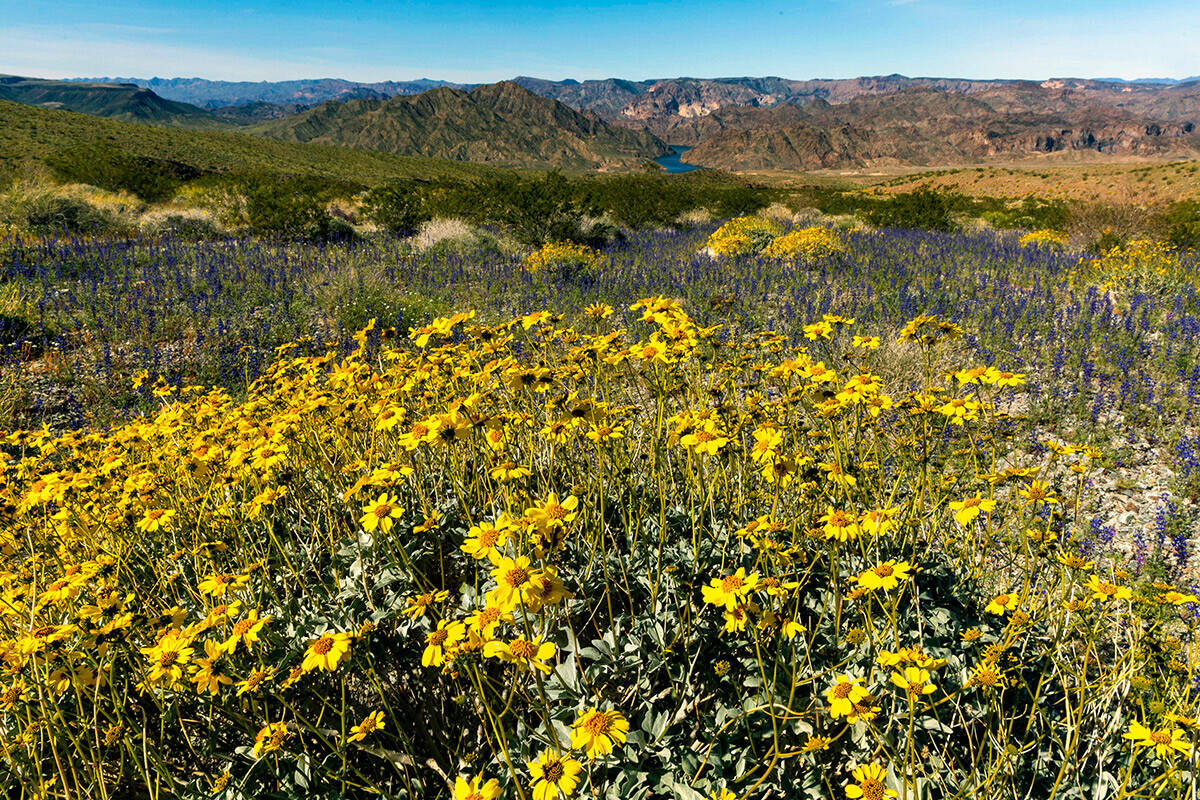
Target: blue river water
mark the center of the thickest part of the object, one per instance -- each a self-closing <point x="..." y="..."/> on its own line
<point x="671" y="162"/>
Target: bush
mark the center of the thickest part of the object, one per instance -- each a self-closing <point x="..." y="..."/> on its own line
<point x="1049" y="239"/>
<point x="504" y="552"/>
<point x="535" y="210"/>
<point x="565" y="260"/>
<point x="398" y="208"/>
<point x="640" y="201"/>
<point x="53" y="214"/>
<point x="743" y="236"/>
<point x="294" y="207"/>
<point x="805" y="244"/>
<point x="924" y="208"/>
<point x="105" y="166"/>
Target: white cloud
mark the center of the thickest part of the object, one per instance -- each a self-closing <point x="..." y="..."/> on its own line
<point x="42" y="51"/>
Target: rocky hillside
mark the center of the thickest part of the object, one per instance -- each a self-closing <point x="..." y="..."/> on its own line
<point x="120" y="101"/>
<point x="500" y="124"/>
<point x="928" y="126"/>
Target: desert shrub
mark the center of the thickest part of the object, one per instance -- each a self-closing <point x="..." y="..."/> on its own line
<point x="743" y="236"/>
<point x="105" y="166"/>
<point x="640" y="201"/>
<point x="354" y="296"/>
<point x="396" y="207"/>
<point x="1032" y="213"/>
<point x="57" y="214"/>
<point x="534" y="210"/>
<point x="924" y="208"/>
<point x="1140" y="265"/>
<point x="1180" y="225"/>
<point x="733" y="201"/>
<point x="507" y="552"/>
<point x="805" y="244"/>
<point x="183" y="223"/>
<point x="565" y="260"/>
<point x="294" y="206"/>
<point x="1051" y="239"/>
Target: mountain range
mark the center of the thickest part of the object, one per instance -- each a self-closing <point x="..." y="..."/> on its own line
<point x="500" y="124"/>
<point x="749" y="123"/>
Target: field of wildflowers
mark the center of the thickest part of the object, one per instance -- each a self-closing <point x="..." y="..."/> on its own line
<point x="811" y="521"/>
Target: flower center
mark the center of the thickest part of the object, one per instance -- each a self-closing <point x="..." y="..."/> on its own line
<point x="1002" y="600"/>
<point x="1160" y="737"/>
<point x="523" y="648"/>
<point x="884" y="570"/>
<point x="168" y="658"/>
<point x="438" y="637"/>
<point x="516" y="576"/>
<point x="598" y="724"/>
<point x="323" y="645"/>
<point x="555" y="511"/>
<point x="242" y="627"/>
<point x="488" y="616"/>
<point x="382" y="510"/>
<point x="704" y="436"/>
<point x="489" y="538"/>
<point x="552" y="771"/>
<point x="842" y="690"/>
<point x="872" y="790"/>
<point x="731" y="584"/>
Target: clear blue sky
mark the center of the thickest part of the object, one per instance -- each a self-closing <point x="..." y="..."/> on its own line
<point x="474" y="41"/>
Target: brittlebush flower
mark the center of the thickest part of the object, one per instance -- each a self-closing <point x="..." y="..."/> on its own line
<point x="522" y="652"/>
<point x="1105" y="591"/>
<point x="965" y="511"/>
<point x="371" y="723"/>
<point x="553" y="513"/>
<point x="440" y="640"/>
<point x="1002" y="603"/>
<point x="1166" y="743"/>
<point x="245" y="631"/>
<point x="554" y="775"/>
<point x="381" y="513"/>
<point x="597" y="732"/>
<point x="914" y="680"/>
<point x="168" y="657"/>
<point x="514" y="579"/>
<point x="270" y="738"/>
<point x="870" y="785"/>
<point x="485" y="540"/>
<point x="840" y="525"/>
<point x="730" y="590"/>
<point x="326" y="652"/>
<point x="886" y="576"/>
<point x="844" y="693"/>
<point x="475" y="788"/>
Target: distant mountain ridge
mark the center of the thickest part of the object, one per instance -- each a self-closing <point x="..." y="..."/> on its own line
<point x="308" y="92"/>
<point x="121" y="101"/>
<point x="748" y="123"/>
<point x="500" y="124"/>
<point x="923" y="126"/>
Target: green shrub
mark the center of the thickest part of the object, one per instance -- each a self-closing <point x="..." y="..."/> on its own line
<point x="396" y="207"/>
<point x="61" y="214"/>
<point x="294" y="207"/>
<point x="924" y="208"/>
<point x="106" y="167"/>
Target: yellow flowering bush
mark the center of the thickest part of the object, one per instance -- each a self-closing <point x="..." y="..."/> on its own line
<point x="544" y="562"/>
<point x="806" y="244"/>
<point x="565" y="258"/>
<point x="744" y="236"/>
<point x="1047" y="238"/>
<point x="1140" y="265"/>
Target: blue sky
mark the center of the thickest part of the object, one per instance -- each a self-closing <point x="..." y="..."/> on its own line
<point x="474" y="41"/>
